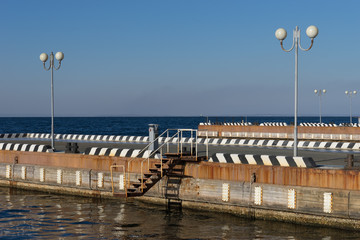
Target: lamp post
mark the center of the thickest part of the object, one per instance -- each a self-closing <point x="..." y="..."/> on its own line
<point x="350" y="94"/>
<point x="320" y="92"/>
<point x="44" y="57"/>
<point x="281" y="34"/>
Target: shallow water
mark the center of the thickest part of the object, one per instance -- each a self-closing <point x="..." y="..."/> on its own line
<point x="34" y="215"/>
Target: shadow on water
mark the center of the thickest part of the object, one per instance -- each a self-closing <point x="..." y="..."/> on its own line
<point x="33" y="215"/>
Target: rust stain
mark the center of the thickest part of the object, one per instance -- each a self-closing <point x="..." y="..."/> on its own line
<point x="99" y="163"/>
<point x="307" y="177"/>
<point x="310" y="177"/>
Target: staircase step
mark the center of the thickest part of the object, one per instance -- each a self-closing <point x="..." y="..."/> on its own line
<point x="154" y="170"/>
<point x="137" y="185"/>
<point x="172" y="154"/>
<point x="143" y="179"/>
<point x="164" y="166"/>
<point x="135" y="194"/>
<point x="172" y="188"/>
<point x="175" y="175"/>
<point x="149" y="175"/>
<point x="171" y="196"/>
<point x="175" y="201"/>
<point x="158" y="165"/>
<point x="177" y="170"/>
<point x="132" y="190"/>
<point x="174" y="181"/>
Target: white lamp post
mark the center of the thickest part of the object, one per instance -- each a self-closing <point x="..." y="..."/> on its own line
<point x="44" y="57"/>
<point x="350" y="94"/>
<point x="281" y="34"/>
<point x="320" y="92"/>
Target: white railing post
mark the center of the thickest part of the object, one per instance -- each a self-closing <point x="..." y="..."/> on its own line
<point x="191" y="143"/>
<point x="167" y="142"/>
<point x="181" y="142"/>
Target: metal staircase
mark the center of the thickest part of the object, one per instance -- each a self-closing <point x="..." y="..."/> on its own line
<point x="171" y="165"/>
<point x="173" y="184"/>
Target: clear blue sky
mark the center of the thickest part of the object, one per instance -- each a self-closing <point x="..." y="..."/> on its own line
<point x="177" y="58"/>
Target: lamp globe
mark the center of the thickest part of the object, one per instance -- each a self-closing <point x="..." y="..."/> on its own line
<point x="43" y="57"/>
<point x="280" y="34"/>
<point x="312" y="31"/>
<point x="59" y="56"/>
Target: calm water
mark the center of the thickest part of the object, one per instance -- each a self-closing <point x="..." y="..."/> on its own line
<point x="134" y="126"/>
<point x="33" y="215"/>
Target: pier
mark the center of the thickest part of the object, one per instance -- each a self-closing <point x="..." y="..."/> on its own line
<point x="320" y="188"/>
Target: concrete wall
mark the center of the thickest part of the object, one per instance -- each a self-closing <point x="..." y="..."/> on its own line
<point x="309" y="202"/>
<point x="287" y="194"/>
<point x="284" y="132"/>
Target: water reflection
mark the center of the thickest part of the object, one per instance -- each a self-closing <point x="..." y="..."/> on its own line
<point x="32" y="215"/>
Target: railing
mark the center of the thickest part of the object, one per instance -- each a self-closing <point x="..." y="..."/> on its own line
<point x="169" y="138"/>
<point x="161" y="158"/>
<point x="112" y="181"/>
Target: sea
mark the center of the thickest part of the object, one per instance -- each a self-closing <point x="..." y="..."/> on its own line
<point x="38" y="215"/>
<point x="135" y="126"/>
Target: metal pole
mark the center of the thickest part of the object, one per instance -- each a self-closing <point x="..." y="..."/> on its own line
<point x="167" y="141"/>
<point x="191" y="143"/>
<point x="320" y="106"/>
<point x="350" y="108"/>
<point x="52" y="100"/>
<point x="296" y="32"/>
<point x="181" y="145"/>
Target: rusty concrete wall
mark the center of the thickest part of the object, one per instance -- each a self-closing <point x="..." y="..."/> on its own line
<point x="87" y="182"/>
<point x="98" y="163"/>
<point x="307" y="177"/>
<point x="203" y="186"/>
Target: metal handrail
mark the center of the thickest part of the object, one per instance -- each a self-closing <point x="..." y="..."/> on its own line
<point x="144" y="149"/>
<point x="148" y="160"/>
<point x="167" y="141"/>
<point x="112" y="181"/>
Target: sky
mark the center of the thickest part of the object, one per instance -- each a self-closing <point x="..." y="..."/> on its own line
<point x="177" y="57"/>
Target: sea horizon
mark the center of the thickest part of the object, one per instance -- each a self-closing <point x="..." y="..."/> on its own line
<point x="137" y="126"/>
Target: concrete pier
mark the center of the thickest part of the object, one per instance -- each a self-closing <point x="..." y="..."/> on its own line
<point x="312" y="196"/>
